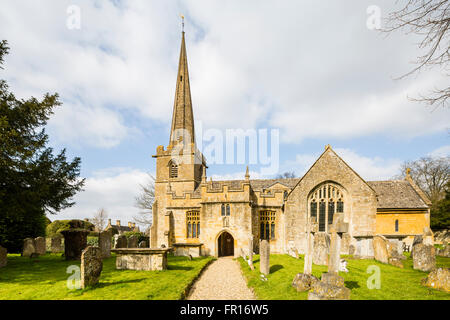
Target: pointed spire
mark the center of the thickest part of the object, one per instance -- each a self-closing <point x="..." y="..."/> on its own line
<point x="247" y="175"/>
<point x="182" y="117"/>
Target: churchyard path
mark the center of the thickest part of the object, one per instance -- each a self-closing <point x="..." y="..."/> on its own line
<point x="222" y="280"/>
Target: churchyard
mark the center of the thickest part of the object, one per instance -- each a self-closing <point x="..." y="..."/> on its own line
<point x="396" y="283"/>
<point x="46" y="278"/>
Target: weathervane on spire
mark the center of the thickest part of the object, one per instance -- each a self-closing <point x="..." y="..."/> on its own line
<point x="182" y="22"/>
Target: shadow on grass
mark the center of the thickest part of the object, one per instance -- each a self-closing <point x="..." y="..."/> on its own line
<point x="179" y="268"/>
<point x="107" y="284"/>
<point x="275" y="268"/>
<point x="352" y="284"/>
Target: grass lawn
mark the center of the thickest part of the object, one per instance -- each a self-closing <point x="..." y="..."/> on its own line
<point x="45" y="278"/>
<point x="396" y="283"/>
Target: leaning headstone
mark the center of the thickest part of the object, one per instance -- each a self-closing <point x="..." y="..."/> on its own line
<point x="91" y="266"/>
<point x="75" y="241"/>
<point x="56" y="245"/>
<point x="424" y="257"/>
<point x="3" y="257"/>
<point x="104" y="243"/>
<point x="380" y="249"/>
<point x="133" y="241"/>
<point x="264" y="251"/>
<point x="29" y="247"/>
<point x="321" y="248"/>
<point x="39" y="242"/>
<point x="121" y="242"/>
<point x="438" y="279"/>
<point x="143" y="244"/>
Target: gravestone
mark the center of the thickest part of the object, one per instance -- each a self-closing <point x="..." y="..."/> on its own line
<point x="438" y="279"/>
<point x="250" y="253"/>
<point x="303" y="282"/>
<point x="3" y="257"/>
<point x="321" y="248"/>
<point x="337" y="229"/>
<point x="345" y="243"/>
<point x="104" y="243"/>
<point x="75" y="241"/>
<point x="116" y="237"/>
<point x="39" y="243"/>
<point x="143" y="244"/>
<point x="427" y="236"/>
<point x="56" y="245"/>
<point x="380" y="249"/>
<point x="424" y="257"/>
<point x="121" y="242"/>
<point x="133" y="241"/>
<point x="91" y="266"/>
<point x="29" y="247"/>
<point x="264" y="252"/>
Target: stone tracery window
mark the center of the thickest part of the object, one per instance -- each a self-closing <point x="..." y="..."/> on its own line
<point x="328" y="198"/>
<point x="192" y="224"/>
<point x="267" y="224"/>
<point x="225" y="210"/>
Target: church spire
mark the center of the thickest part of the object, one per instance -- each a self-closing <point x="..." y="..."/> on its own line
<point x="182" y="117"/>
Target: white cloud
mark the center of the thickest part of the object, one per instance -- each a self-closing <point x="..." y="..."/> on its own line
<point x="313" y="70"/>
<point x="113" y="189"/>
<point x="443" y="151"/>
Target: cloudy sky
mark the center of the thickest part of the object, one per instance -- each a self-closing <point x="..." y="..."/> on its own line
<point x="314" y="71"/>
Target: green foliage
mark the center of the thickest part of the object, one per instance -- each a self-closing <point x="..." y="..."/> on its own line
<point x="140" y="235"/>
<point x="440" y="213"/>
<point x="54" y="229"/>
<point x="92" y="241"/>
<point x="46" y="279"/>
<point x="33" y="181"/>
<point x="396" y="283"/>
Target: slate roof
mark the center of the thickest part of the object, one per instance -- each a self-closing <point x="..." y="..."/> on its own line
<point x="397" y="194"/>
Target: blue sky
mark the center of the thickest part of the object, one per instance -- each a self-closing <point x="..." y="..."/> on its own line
<point x="315" y="72"/>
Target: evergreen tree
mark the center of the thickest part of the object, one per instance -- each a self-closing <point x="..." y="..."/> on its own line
<point x="33" y="181"/>
<point x="440" y="213"/>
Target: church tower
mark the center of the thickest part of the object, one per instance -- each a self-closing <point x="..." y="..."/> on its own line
<point x="181" y="167"/>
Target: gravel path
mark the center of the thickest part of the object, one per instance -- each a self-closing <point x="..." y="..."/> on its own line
<point x="222" y="280"/>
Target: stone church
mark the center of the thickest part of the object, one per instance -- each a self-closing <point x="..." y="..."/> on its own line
<point x="221" y="218"/>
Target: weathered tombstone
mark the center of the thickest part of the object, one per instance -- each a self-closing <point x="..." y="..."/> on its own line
<point x="29" y="248"/>
<point x="303" y="282"/>
<point x="143" y="244"/>
<point x="250" y="253"/>
<point x="264" y="251"/>
<point x="121" y="242"/>
<point x="321" y="248"/>
<point x="438" y="279"/>
<point x="91" y="266"/>
<point x="424" y="257"/>
<point x="3" y="257"/>
<point x="380" y="249"/>
<point x="116" y="237"/>
<point x="345" y="244"/>
<point x="338" y="228"/>
<point x="104" y="243"/>
<point x="56" y="245"/>
<point x="39" y="242"/>
<point x="75" y="241"/>
<point x="133" y="241"/>
<point x="330" y="287"/>
<point x="307" y="267"/>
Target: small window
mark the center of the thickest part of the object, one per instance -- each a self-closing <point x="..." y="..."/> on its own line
<point x="223" y="210"/>
<point x="228" y="209"/>
<point x="396" y="225"/>
<point x="173" y="169"/>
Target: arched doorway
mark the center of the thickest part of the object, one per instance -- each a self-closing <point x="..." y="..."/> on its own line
<point x="225" y="244"/>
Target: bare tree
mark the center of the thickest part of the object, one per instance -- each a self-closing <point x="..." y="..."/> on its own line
<point x="430" y="174"/>
<point x="285" y="175"/>
<point x="430" y="19"/>
<point x="99" y="219"/>
<point x="144" y="201"/>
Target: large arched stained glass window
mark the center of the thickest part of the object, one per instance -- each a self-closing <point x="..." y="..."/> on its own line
<point x="324" y="201"/>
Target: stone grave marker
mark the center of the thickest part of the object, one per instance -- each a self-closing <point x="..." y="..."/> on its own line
<point x="91" y="266"/>
<point x="104" y="243"/>
<point x="264" y="252"/>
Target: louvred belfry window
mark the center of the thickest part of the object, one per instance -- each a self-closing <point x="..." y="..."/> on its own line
<point x="173" y="169"/>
